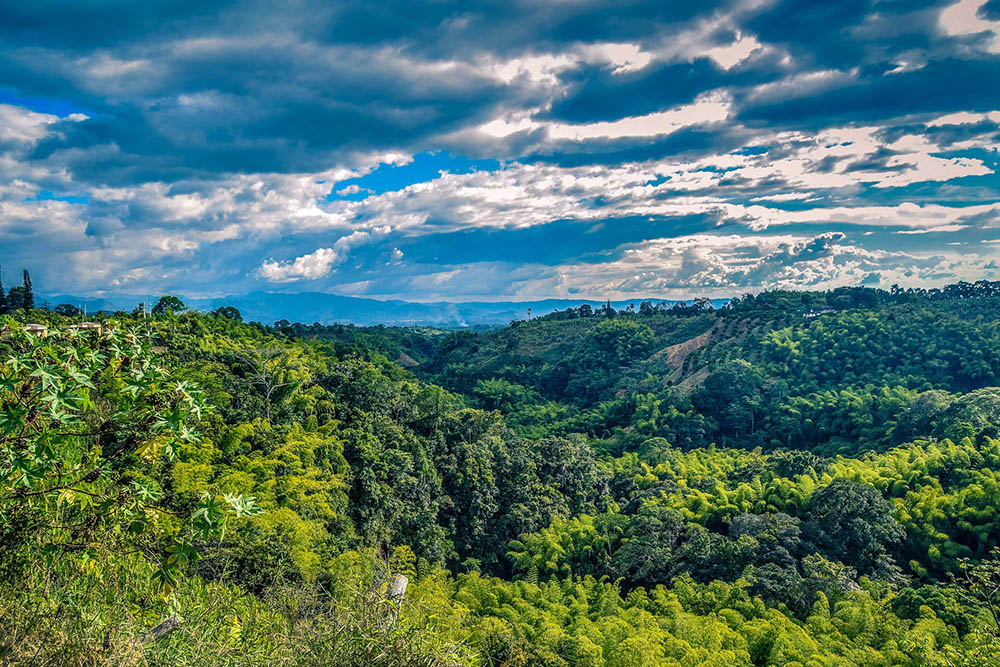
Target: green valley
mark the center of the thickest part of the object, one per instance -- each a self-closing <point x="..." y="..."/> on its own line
<point x="795" y="478"/>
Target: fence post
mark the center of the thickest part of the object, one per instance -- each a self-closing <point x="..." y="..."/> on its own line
<point x="397" y="591"/>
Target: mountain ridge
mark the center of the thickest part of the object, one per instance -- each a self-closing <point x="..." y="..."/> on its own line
<point x="309" y="307"/>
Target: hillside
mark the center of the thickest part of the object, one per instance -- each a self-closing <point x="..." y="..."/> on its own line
<point x="796" y="479"/>
<point x="827" y="372"/>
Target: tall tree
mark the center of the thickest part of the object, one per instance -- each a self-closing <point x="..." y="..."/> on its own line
<point x="228" y="312"/>
<point x="29" y="296"/>
<point x="4" y="306"/>
<point x="851" y="522"/>
<point x="169" y="304"/>
<point x="15" y="298"/>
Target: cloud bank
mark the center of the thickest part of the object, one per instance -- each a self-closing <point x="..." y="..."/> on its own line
<point x="499" y="150"/>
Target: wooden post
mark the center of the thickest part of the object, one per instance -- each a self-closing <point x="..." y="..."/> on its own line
<point x="397" y="587"/>
<point x="161" y="630"/>
<point x="397" y="591"/>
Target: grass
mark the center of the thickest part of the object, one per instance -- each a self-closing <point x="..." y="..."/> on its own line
<point x="91" y="611"/>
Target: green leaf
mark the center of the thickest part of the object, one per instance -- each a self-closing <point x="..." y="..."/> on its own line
<point x="47" y="377"/>
<point x="8" y="383"/>
<point x="12" y="419"/>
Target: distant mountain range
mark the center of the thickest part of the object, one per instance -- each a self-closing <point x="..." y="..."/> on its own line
<point x="309" y="307"/>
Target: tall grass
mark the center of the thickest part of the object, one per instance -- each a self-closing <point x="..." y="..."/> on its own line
<point x="91" y="611"/>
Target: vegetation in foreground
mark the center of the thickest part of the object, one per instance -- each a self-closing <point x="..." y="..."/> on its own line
<point x="797" y="479"/>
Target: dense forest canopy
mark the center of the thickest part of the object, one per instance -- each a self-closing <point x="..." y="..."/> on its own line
<point x="793" y="479"/>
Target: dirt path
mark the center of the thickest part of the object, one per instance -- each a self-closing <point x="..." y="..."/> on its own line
<point x="675" y="355"/>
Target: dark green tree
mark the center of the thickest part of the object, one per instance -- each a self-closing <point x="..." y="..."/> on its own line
<point x="4" y="305"/>
<point x="29" y="295"/>
<point x="972" y="415"/>
<point x="919" y="416"/>
<point x="568" y="465"/>
<point x="15" y="298"/>
<point x="66" y="310"/>
<point x="649" y="552"/>
<point x="851" y="522"/>
<point x="228" y="312"/>
<point x="169" y="304"/>
<point x="735" y="395"/>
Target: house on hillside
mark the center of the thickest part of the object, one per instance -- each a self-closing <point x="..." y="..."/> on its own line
<point x="87" y="326"/>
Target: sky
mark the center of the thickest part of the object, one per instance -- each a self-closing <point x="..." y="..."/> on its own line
<point x="498" y="150"/>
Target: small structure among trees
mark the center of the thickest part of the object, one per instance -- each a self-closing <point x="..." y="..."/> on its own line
<point x="87" y="326"/>
<point x="40" y="330"/>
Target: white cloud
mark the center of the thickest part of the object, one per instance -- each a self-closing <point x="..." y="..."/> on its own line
<point x="622" y="58"/>
<point x="218" y="223"/>
<point x="710" y="109"/>
<point x="316" y="264"/>
<point x="545" y="68"/>
<point x="352" y="190"/>
<point x="504" y="127"/>
<point x="729" y="56"/>
<point x="962" y="19"/>
<point x="964" y="118"/>
<point x="24" y="126"/>
<point x="930" y="230"/>
<point x="723" y="265"/>
<point x="907" y="215"/>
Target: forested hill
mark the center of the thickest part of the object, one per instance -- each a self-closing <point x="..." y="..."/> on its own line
<point x="845" y="371"/>
<point x="795" y="479"/>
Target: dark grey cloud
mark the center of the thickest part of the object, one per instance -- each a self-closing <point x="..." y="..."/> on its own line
<point x="815" y="29"/>
<point x="586" y="241"/>
<point x="109" y="24"/>
<point x="990" y="10"/>
<point x="939" y="87"/>
<point x="687" y="142"/>
<point x="238" y="112"/>
<point x="597" y="93"/>
<point x="849" y="33"/>
<point x="445" y="29"/>
<point x="218" y="88"/>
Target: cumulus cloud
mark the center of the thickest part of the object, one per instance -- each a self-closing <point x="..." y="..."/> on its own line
<point x="316" y="264"/>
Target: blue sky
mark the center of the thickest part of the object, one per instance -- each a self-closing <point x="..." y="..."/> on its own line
<point x="497" y="151"/>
